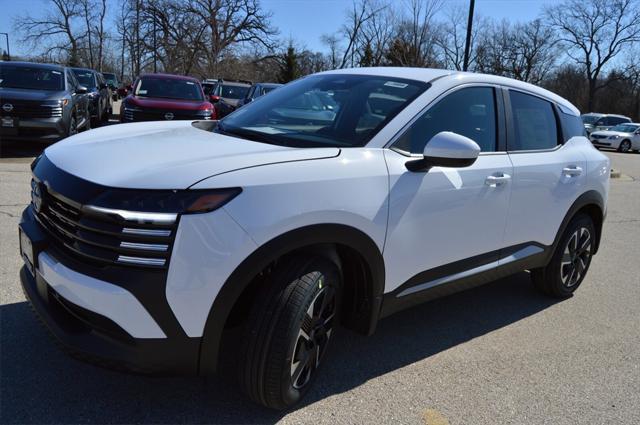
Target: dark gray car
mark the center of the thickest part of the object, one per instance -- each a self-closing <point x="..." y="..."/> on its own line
<point x="98" y="92"/>
<point x="41" y="102"/>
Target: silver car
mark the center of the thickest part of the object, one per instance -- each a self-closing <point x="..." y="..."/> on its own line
<point x="622" y="137"/>
<point x="594" y="121"/>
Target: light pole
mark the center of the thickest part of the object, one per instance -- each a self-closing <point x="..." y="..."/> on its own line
<point x="467" y="46"/>
<point x="8" y="54"/>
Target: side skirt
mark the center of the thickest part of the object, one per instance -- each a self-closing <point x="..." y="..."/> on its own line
<point x="465" y="274"/>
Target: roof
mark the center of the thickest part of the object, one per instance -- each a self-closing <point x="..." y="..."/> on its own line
<point x="453" y="78"/>
<point x="34" y="64"/>
<point x="83" y="69"/>
<point x="171" y="76"/>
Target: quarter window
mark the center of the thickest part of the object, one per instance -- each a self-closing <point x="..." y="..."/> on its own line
<point x="534" y="123"/>
<point x="469" y="112"/>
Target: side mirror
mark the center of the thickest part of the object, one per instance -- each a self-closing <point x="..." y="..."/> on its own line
<point x="81" y="90"/>
<point x="214" y="99"/>
<point x="103" y="86"/>
<point x="446" y="149"/>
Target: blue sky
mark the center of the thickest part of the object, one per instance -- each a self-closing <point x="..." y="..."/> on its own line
<point x="305" y="21"/>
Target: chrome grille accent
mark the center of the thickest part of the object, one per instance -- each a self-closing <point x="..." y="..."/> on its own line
<point x="107" y="236"/>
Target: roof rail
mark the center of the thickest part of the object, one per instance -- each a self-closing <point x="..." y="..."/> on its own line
<point x="233" y="80"/>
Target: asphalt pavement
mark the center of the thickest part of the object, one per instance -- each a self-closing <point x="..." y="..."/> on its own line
<point x="498" y="354"/>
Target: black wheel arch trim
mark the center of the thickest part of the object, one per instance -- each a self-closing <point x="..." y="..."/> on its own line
<point x="589" y="198"/>
<point x="244" y="274"/>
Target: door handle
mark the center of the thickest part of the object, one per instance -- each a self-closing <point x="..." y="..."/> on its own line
<point x="497" y="180"/>
<point x="572" y="171"/>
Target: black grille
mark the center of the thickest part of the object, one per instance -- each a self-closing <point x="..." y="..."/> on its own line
<point x="101" y="238"/>
<point x="599" y="136"/>
<point x="159" y="115"/>
<point x="30" y="109"/>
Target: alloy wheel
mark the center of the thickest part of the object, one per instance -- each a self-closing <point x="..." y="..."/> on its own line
<point x="313" y="336"/>
<point x="576" y="257"/>
<point x="624" y="147"/>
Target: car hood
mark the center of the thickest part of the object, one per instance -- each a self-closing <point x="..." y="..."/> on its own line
<point x="156" y="103"/>
<point x="165" y="155"/>
<point x="609" y="133"/>
<point x="7" y="93"/>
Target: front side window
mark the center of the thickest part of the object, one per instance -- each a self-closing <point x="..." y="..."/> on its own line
<point x="534" y="122"/>
<point x="168" y="88"/>
<point x="28" y="77"/>
<point x="469" y="112"/>
<point x="324" y="110"/>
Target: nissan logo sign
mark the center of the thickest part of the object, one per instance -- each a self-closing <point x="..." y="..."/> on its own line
<point x="168" y="116"/>
<point x="7" y="107"/>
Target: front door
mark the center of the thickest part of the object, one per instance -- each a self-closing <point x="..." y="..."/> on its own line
<point x="452" y="219"/>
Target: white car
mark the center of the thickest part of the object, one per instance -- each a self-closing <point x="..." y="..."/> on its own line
<point x="622" y="137"/>
<point x="240" y="246"/>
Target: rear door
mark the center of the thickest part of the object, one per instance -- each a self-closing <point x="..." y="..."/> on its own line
<point x="549" y="170"/>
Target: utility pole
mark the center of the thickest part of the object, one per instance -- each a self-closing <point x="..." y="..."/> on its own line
<point x="155" y="47"/>
<point x="467" y="46"/>
<point x="8" y="54"/>
<point x="137" y="38"/>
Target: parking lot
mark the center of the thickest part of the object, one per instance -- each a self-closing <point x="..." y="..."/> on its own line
<point x="496" y="354"/>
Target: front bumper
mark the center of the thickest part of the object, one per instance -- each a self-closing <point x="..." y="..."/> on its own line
<point x="76" y="308"/>
<point x="604" y="143"/>
<point x="43" y="129"/>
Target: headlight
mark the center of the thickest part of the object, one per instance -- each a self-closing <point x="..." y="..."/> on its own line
<point x="60" y="102"/>
<point x="614" y="137"/>
<point x="167" y="201"/>
<point x="128" y="108"/>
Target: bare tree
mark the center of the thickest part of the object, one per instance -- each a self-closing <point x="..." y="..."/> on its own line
<point x="451" y="37"/>
<point x="414" y="42"/>
<point x="53" y="30"/>
<point x="332" y="41"/>
<point x="595" y="32"/>
<point x="232" y="22"/>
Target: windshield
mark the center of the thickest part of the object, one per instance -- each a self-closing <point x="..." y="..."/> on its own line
<point x="168" y="88"/>
<point x="234" y="92"/>
<point x="324" y="110"/>
<point x="111" y="78"/>
<point x="625" y="128"/>
<point x="590" y="119"/>
<point x="34" y="78"/>
<point x="85" y="78"/>
<point x="207" y="88"/>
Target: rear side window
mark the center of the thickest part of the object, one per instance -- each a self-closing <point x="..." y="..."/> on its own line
<point x="617" y="120"/>
<point x="571" y="126"/>
<point x="534" y="123"/>
<point x="470" y="112"/>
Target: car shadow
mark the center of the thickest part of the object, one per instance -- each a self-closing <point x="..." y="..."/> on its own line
<point x="40" y="384"/>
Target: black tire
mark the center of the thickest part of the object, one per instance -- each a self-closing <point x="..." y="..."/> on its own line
<point x="294" y="318"/>
<point x="73" y="126"/>
<point x="625" y="146"/>
<point x="570" y="261"/>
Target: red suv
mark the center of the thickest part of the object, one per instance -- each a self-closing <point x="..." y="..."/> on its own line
<point x="158" y="97"/>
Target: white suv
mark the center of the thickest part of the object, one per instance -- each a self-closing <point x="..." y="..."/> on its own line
<point x="338" y="199"/>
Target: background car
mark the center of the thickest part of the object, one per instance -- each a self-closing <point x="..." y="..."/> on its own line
<point x="113" y="83"/>
<point x="156" y="97"/>
<point x="594" y="121"/>
<point x="41" y="102"/>
<point x="257" y="90"/>
<point x="208" y="85"/>
<point x="227" y="94"/>
<point x="98" y="92"/>
<point x="622" y="137"/>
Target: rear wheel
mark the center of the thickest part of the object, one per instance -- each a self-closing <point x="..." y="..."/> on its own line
<point x="571" y="260"/>
<point x="625" y="146"/>
<point x="289" y="331"/>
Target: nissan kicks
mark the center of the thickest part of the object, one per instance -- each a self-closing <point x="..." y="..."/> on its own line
<point x="240" y="246"/>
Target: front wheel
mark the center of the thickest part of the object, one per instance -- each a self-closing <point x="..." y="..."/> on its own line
<point x="570" y="261"/>
<point x="625" y="146"/>
<point x="289" y="331"/>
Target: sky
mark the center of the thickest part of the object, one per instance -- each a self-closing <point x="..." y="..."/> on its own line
<point x="304" y="21"/>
